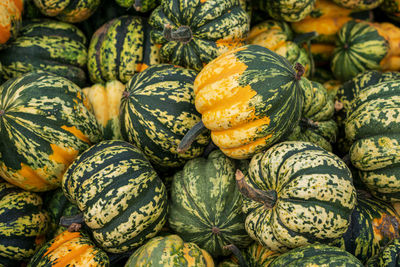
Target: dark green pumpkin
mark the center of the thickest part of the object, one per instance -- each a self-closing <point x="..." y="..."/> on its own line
<point x="120" y="48"/>
<point x="47" y="45"/>
<point x="192" y="33"/>
<point x="388" y="256"/>
<point x="287" y="10"/>
<point x="23" y="222"/>
<point x="157" y="111"/>
<point x="122" y="199"/>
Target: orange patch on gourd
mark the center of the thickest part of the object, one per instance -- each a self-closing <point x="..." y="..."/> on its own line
<point x="141" y="67"/>
<point x="186" y="254"/>
<point x="76" y="132"/>
<point x="385" y="227"/>
<point x="9" y="10"/>
<point x="33" y="179"/>
<point x="63" y="155"/>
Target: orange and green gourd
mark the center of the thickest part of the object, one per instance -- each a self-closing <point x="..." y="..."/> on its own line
<point x="10" y="20"/>
<point x="105" y="101"/>
<point x="359" y="4"/>
<point x="139" y="5"/>
<point x="69" y="249"/>
<point x="286" y="10"/>
<point x="192" y="33"/>
<point x="44" y="125"/>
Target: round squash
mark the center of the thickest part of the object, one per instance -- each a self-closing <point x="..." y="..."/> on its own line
<point x="286" y="10"/>
<point x="122" y="199"/>
<point x="10" y="20"/>
<point x="388" y="256"/>
<point x="297" y="193"/>
<point x="44" y="125"/>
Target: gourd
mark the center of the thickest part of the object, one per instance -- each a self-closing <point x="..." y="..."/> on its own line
<point x="391" y="8"/>
<point x="359" y="4"/>
<point x="11" y="18"/>
<point x="388" y="256"/>
<point x="138" y="5"/>
<point x="286" y="10"/>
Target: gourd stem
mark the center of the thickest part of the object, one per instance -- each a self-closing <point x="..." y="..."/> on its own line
<point x="209" y="148"/>
<point x="182" y="34"/>
<point x="338" y="106"/>
<point x="138" y="5"/>
<point x="304" y="37"/>
<point x="66" y="221"/>
<point x="190" y="136"/>
<point x="268" y="198"/>
<point x="300" y="70"/>
<point x="308" y="123"/>
<point x="238" y="254"/>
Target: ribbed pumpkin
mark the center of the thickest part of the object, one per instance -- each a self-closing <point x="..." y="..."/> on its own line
<point x="374" y="223"/>
<point x="105" y="101"/>
<point x="10" y="22"/>
<point x="47" y="45"/>
<point x="156" y="112"/>
<point x="192" y="33"/>
<point x="138" y="5"/>
<point x="287" y="10"/>
<point x="44" y="125"/>
<point x="206" y="206"/>
<point x="122" y="199"/>
<point x="366" y="46"/>
<point x="249" y="98"/>
<point x="278" y="37"/>
<point x="388" y="256"/>
<point x="68" y="10"/>
<point x="169" y="251"/>
<point x="359" y="4"/>
<point x="23" y="222"/>
<point x="391" y="8"/>
<point x="69" y="249"/>
<point x="373" y="126"/>
<point x="121" y="48"/>
<point x="316" y="255"/>
<point x="297" y="194"/>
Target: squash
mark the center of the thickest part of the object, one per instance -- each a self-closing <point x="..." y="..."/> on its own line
<point x="47" y="45"/>
<point x="105" y="101"/>
<point x="286" y="10"/>
<point x="192" y="33"/>
<point x="69" y="249"/>
<point x="366" y="46"/>
<point x="122" y="199"/>
<point x="388" y="256"/>
<point x="23" y="222"/>
<point x="44" y="125"/>
<point x="391" y="8"/>
<point x="10" y="22"/>
<point x="290" y="190"/>
<point x="71" y="11"/>
<point x="359" y="4"/>
<point x="121" y="48"/>
<point x="138" y="5"/>
<point x="206" y="207"/>
<point x="169" y="251"/>
<point x="157" y="110"/>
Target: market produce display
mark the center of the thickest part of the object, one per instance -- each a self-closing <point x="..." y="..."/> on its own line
<point x="229" y="133"/>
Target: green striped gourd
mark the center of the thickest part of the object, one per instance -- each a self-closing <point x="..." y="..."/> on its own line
<point x="139" y="5"/>
<point x="206" y="206"/>
<point x="373" y="126"/>
<point x="69" y="249"/>
<point x="121" y="48"/>
<point x="47" y="45"/>
<point x="122" y="199"/>
<point x="105" y="103"/>
<point x="359" y="4"/>
<point x="290" y="192"/>
<point x="316" y="125"/>
<point x="388" y="256"/>
<point x="44" y="125"/>
<point x="391" y="8"/>
<point x="23" y="222"/>
<point x="286" y="10"/>
<point x="316" y="255"/>
<point x="156" y="112"/>
<point x="192" y="33"/>
<point x="169" y="251"/>
<point x="374" y="223"/>
<point x="71" y="11"/>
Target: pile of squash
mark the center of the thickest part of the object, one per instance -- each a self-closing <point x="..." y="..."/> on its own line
<point x="199" y="133"/>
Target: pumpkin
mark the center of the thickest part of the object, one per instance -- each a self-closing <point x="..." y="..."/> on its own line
<point x="105" y="103"/>
<point x="286" y="10"/>
<point x="192" y="33"/>
<point x="169" y="251"/>
<point x="121" y="48"/>
<point x="250" y="98"/>
<point x="366" y="46"/>
<point x="391" y="8"/>
<point x="206" y="207"/>
<point x="69" y="249"/>
<point x="23" y="222"/>
<point x="388" y="256"/>
<point x="359" y="4"/>
<point x="372" y="126"/>
<point x="44" y="125"/>
<point x="316" y="255"/>
<point x="290" y="190"/>
<point x="47" y="45"/>
<point x="138" y="5"/>
<point x="68" y="10"/>
<point x="11" y="18"/>
<point x="278" y="37"/>
<point x="122" y="199"/>
<point x="156" y="112"/>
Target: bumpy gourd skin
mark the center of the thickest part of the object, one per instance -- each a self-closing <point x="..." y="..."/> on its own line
<point x="388" y="256"/>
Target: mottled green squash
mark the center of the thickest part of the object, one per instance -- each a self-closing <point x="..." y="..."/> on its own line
<point x="287" y="10"/>
<point x="44" y="125"/>
<point x="206" y="206"/>
<point x="139" y="5"/>
<point x="47" y="45"/>
<point x="389" y="256"/>
<point x="359" y="4"/>
<point x="192" y="33"/>
<point x="297" y="194"/>
<point x="120" y="48"/>
<point x="391" y="8"/>
<point x="156" y="112"/>
<point x="169" y="251"/>
<point x="23" y="222"/>
<point x="122" y="199"/>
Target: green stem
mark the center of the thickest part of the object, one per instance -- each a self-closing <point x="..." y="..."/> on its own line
<point x="238" y="254"/>
<point x="300" y="70"/>
<point x="182" y="34"/>
<point x="190" y="136"/>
